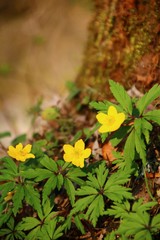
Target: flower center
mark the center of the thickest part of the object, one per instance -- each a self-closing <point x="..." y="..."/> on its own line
<point x="22" y="153"/>
<point x="78" y="153"/>
<point x="111" y="120"/>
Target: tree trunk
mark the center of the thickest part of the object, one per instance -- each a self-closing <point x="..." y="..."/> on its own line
<point x="123" y="45"/>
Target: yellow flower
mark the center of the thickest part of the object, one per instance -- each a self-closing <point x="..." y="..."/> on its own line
<point x="9" y="196"/>
<point x="111" y="121"/>
<point x="20" y="153"/>
<point x="76" y="154"/>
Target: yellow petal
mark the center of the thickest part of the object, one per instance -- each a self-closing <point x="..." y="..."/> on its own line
<point x="30" y="155"/>
<point x="27" y="148"/>
<point x="79" y="145"/>
<point x="112" y="111"/>
<point x="67" y="157"/>
<point x="68" y="148"/>
<point x="87" y="153"/>
<point x="78" y="162"/>
<point x="104" y="128"/>
<point x="19" y="147"/>
<point x="121" y="117"/>
<point x="101" y="117"/>
<point x="11" y="151"/>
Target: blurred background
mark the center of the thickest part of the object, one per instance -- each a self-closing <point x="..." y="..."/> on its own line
<point x="41" y="48"/>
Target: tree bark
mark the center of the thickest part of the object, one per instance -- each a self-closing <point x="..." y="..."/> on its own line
<point x="123" y="45"/>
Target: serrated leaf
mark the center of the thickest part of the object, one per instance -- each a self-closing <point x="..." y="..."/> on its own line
<point x="75" y="175"/>
<point x="140" y="148"/>
<point x="32" y="197"/>
<point x="153" y="115"/>
<point x="151" y="95"/>
<point x="5" y="231"/>
<point x="17" y="199"/>
<point x="86" y="190"/>
<point x="79" y="224"/>
<point x="59" y="181"/>
<point x="28" y="223"/>
<point x="49" y="163"/>
<point x="10" y="165"/>
<point x="43" y="174"/>
<point x="129" y="148"/>
<point x="121" y="96"/>
<point x="92" y="181"/>
<point x="20" y="139"/>
<point x="95" y="209"/>
<point x="100" y="106"/>
<point x="119" y="135"/>
<point x="82" y="203"/>
<point x="102" y="173"/>
<point x="140" y="206"/>
<point x="47" y="208"/>
<point x="5" y="188"/>
<point x="58" y="232"/>
<point x="49" y="186"/>
<point x="155" y="223"/>
<point x="32" y="235"/>
<point x="29" y="173"/>
<point x="10" y="223"/>
<point x="70" y="190"/>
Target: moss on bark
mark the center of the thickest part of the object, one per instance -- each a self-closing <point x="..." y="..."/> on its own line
<point x="123" y="45"/>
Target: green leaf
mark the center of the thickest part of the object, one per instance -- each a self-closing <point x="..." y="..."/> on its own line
<point x="79" y="224"/>
<point x="100" y="106"/>
<point x="70" y="190"/>
<point x="43" y="174"/>
<point x="29" y="173"/>
<point x="5" y="188"/>
<point x="20" y="139"/>
<point x="141" y="206"/>
<point x="49" y="163"/>
<point x="119" y="135"/>
<point x="143" y="234"/>
<point x="17" y="199"/>
<point x="76" y="137"/>
<point x="75" y="175"/>
<point x="155" y="223"/>
<point x="82" y="203"/>
<point x="5" y="231"/>
<point x="121" y="96"/>
<point x="153" y="115"/>
<point x="58" y="232"/>
<point x="143" y="102"/>
<point x="102" y="173"/>
<point x="5" y="134"/>
<point x="47" y="208"/>
<point x="129" y="148"/>
<point x="10" y="165"/>
<point x="32" y="197"/>
<point x="29" y="223"/>
<point x="32" y="235"/>
<point x="140" y="147"/>
<point x="5" y="217"/>
<point x="92" y="181"/>
<point x="86" y="190"/>
<point x="113" y="188"/>
<point x="146" y="128"/>
<point x="95" y="209"/>
<point x="49" y="186"/>
<point x="59" y="181"/>
<point x="10" y="223"/>
<point x="118" y="210"/>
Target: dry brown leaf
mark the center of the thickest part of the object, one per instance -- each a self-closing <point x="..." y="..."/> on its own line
<point x="107" y="150"/>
